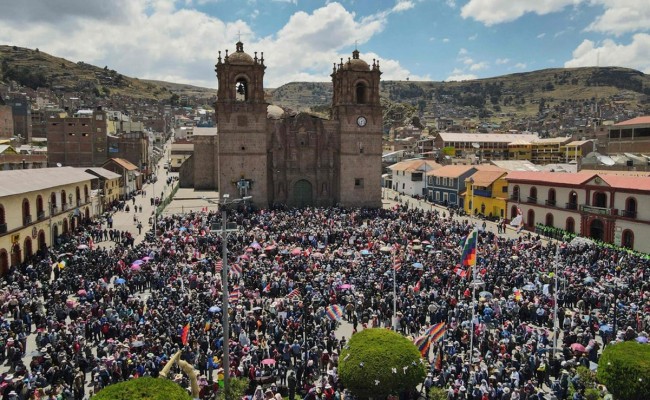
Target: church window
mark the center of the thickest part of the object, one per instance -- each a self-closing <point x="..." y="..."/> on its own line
<point x="362" y="93"/>
<point x="358" y="182"/>
<point x="241" y="89"/>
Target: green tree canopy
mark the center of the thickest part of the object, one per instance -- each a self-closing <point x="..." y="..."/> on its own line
<point x="379" y="362"/>
<point x="143" y="389"/>
<point x="625" y="369"/>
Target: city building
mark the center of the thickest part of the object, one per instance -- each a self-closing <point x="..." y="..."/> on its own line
<point x="6" y="120"/>
<point x="631" y="136"/>
<point x="487" y="193"/>
<point x="445" y="184"/>
<point x="130" y="178"/>
<point x="603" y="206"/>
<point x="106" y="187"/>
<point x="38" y="205"/>
<point x="408" y="176"/>
<point x="79" y="141"/>
<point x="484" y="146"/>
<point x="10" y="159"/>
<point x="294" y="159"/>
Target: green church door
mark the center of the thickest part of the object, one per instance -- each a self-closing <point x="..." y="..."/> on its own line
<point x="302" y="194"/>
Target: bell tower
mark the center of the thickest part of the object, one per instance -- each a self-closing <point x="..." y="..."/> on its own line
<point x="357" y="110"/>
<point x="241" y="126"/>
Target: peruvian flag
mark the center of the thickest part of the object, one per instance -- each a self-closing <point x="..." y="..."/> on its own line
<point x="460" y="271"/>
<point x="267" y="288"/>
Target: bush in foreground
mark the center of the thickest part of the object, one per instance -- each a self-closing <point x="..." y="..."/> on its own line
<point x="379" y="362"/>
<point x="143" y="389"/>
<point x="624" y="368"/>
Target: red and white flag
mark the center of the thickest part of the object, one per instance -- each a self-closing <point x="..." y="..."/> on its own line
<point x="218" y="266"/>
<point x="294" y="293"/>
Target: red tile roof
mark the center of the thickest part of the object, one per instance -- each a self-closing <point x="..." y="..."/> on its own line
<point x="127" y="165"/>
<point x="486" y="178"/>
<point x="626" y="182"/>
<point x="577" y="178"/>
<point x="451" y="171"/>
<point x="635" y="121"/>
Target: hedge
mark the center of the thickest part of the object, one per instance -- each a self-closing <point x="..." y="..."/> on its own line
<point x="146" y="388"/>
<point x="624" y="368"/>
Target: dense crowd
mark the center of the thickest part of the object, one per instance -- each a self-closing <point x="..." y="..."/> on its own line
<point x="101" y="316"/>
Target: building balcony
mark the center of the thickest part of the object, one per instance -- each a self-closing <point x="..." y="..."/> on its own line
<point x="514" y="197"/>
<point x="550" y="203"/>
<point x="55" y="210"/>
<point x="571" y="206"/>
<point x="40" y="215"/>
<point x="27" y="219"/>
<point x="3" y="228"/>
<point x="628" y="213"/>
<point x="597" y="210"/>
<point x="66" y="207"/>
<point x="483" y="193"/>
<point x="532" y="200"/>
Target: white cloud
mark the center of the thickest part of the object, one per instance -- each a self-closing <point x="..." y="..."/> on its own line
<point x="445" y="40"/>
<point x="609" y="53"/>
<point x="541" y="35"/>
<point x="160" y="45"/>
<point x="432" y="39"/>
<point x="457" y="71"/>
<point x="501" y="61"/>
<point x="520" y="65"/>
<point x="473" y="37"/>
<point x="462" y="51"/>
<point x="403" y="5"/>
<point x="491" y="12"/>
<point x="450" y="3"/>
<point x="621" y="16"/>
<point x="479" y="66"/>
<point x="468" y="61"/>
<point x="461" y="77"/>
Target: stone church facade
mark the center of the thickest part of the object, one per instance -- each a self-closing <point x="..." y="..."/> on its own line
<point x="298" y="159"/>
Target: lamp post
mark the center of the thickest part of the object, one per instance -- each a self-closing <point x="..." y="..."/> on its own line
<point x="223" y="203"/>
<point x="555" y="321"/>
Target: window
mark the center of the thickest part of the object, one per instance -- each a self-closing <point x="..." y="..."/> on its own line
<point x="570" y="225"/>
<point x="358" y="183"/>
<point x="531" y="218"/>
<point x="241" y="89"/>
<point x="504" y="189"/>
<point x="549" y="219"/>
<point x="437" y="196"/>
<point x="27" y="217"/>
<point x="99" y="117"/>
<point x="416" y="177"/>
<point x="630" y="208"/>
<point x="362" y="93"/>
<point x="627" y="239"/>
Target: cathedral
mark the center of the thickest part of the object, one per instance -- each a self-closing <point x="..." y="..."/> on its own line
<point x="298" y="159"/>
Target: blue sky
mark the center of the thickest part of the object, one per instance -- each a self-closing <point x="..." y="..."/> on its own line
<point x="178" y="40"/>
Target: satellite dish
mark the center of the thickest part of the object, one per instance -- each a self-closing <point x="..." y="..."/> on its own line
<point x="59" y="164"/>
<point x="476" y="145"/>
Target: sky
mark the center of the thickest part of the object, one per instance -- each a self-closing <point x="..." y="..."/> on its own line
<point x="439" y="40"/>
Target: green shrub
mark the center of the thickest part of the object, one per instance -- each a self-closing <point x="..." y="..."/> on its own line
<point x="436" y="393"/>
<point x="236" y="389"/>
<point x="592" y="394"/>
<point x="379" y="362"/>
<point x="143" y="389"/>
<point x="624" y="368"/>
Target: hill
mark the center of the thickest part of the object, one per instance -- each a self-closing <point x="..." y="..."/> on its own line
<point x="528" y="95"/>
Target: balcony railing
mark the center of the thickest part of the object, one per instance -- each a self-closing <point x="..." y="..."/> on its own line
<point x="66" y="207"/>
<point x="628" y="213"/>
<point x="40" y="215"/>
<point x="55" y="210"/>
<point x="483" y="193"/>
<point x="531" y="200"/>
<point x="550" y="203"/>
<point x="571" y="206"/>
<point x="27" y="219"/>
<point x="3" y="228"/>
<point x="597" y="210"/>
<point x="514" y="197"/>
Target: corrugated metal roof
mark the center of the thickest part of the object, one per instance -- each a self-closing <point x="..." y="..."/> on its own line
<point x="31" y="180"/>
<point x="451" y="171"/>
<point x="103" y="172"/>
<point x="516" y="165"/>
<point x="634" y="121"/>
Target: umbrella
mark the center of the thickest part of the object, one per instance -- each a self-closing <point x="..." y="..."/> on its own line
<point x="529" y="287"/>
<point x="82" y="247"/>
<point x="147" y="258"/>
<point x="345" y="286"/>
<point x="487" y="295"/>
<point x="137" y="343"/>
<point x="418" y="265"/>
<point x="81" y="292"/>
<point x="605" y="328"/>
<point x="365" y="252"/>
<point x="256" y="245"/>
<point x="270" y="248"/>
<point x="385" y="249"/>
<point x="296" y="251"/>
<point x="136" y="267"/>
<point x="138" y="262"/>
<point x="256" y="309"/>
<point x="588" y="280"/>
<point x="578" y="347"/>
<point x="642" y="339"/>
<point x="214" y="309"/>
<point x="268" y="361"/>
<point x="120" y="281"/>
<point x="334" y="312"/>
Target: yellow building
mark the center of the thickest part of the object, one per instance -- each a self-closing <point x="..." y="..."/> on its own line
<point x="107" y="185"/>
<point x="487" y="192"/>
<point x="549" y="151"/>
<point x="38" y="205"/>
<point x="520" y="150"/>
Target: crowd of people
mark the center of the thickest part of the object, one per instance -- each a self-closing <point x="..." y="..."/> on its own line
<point x="99" y="316"/>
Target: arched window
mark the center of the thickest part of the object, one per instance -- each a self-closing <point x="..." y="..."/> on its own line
<point x="573" y="201"/>
<point x="600" y="200"/>
<point x="78" y="196"/>
<point x="86" y="194"/>
<point x="4" y="262"/>
<point x="40" y="212"/>
<point x="627" y="239"/>
<point x="27" y="248"/>
<point x="241" y="89"/>
<point x="549" y="219"/>
<point x="531" y="218"/>
<point x="53" y="203"/>
<point x="27" y="216"/>
<point x="551" y="198"/>
<point x="515" y="194"/>
<point x="533" y="195"/>
<point x="3" y="219"/>
<point x="362" y="93"/>
<point x="513" y="212"/>
<point x="64" y="201"/>
<point x="630" y="208"/>
<point x="570" y="225"/>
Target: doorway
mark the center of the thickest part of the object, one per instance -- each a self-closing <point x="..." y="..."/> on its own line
<point x="302" y="194"/>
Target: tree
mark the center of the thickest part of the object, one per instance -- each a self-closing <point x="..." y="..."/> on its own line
<point x="236" y="388"/>
<point x="624" y="368"/>
<point x="379" y="362"/>
<point x="143" y="388"/>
